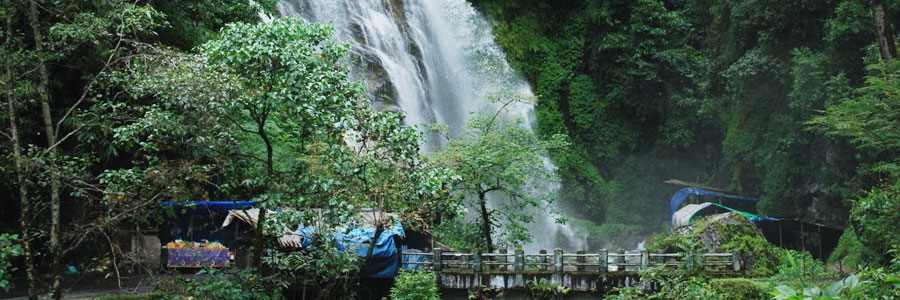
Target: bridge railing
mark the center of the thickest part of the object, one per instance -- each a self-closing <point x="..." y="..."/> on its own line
<point x="558" y="261"/>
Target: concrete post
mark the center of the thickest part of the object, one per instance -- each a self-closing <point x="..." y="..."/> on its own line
<point x="603" y="258"/>
<point x="579" y="260"/>
<point x="620" y="261"/>
<point x="736" y="258"/>
<point x="645" y="258"/>
<point x="558" y="260"/>
<point x="436" y="260"/>
<point x="520" y="259"/>
<point x="476" y="261"/>
<point x="500" y="259"/>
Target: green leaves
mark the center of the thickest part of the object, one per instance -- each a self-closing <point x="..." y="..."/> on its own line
<point x="9" y="247"/>
<point x="498" y="157"/>
<point x="415" y="286"/>
<point x="846" y="288"/>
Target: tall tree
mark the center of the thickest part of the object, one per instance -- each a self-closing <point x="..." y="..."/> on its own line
<point x="886" y="44"/>
<point x="50" y="134"/>
<point x="500" y="162"/>
<point x="19" y="168"/>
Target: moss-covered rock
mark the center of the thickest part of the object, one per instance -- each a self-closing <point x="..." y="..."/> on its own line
<point x="723" y="233"/>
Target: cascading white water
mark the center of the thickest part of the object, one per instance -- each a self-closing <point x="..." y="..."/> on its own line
<point x="436" y="60"/>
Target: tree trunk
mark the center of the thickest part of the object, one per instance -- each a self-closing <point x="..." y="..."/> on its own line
<point x="44" y="93"/>
<point x="883" y="31"/>
<point x="259" y="240"/>
<point x="24" y="213"/>
<point x="486" y="223"/>
<point x="379" y="229"/>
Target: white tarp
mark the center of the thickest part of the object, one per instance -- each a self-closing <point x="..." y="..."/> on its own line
<point x="251" y="216"/>
<point x="683" y="215"/>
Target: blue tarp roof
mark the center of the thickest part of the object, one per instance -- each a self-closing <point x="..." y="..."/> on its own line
<point x="385" y="261"/>
<point x="684" y="193"/>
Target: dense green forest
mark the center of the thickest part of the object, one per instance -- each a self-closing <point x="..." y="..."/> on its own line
<point x="713" y="92"/>
<point x="111" y="107"/>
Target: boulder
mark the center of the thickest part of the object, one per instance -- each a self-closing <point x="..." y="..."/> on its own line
<point x="724" y="233"/>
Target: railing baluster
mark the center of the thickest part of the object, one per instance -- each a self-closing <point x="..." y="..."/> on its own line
<point x="520" y="259"/>
<point x="436" y="265"/>
<point x="476" y="261"/>
<point x="558" y="260"/>
<point x="542" y="259"/>
<point x="604" y="262"/>
<point x="620" y="261"/>
<point x="579" y="260"/>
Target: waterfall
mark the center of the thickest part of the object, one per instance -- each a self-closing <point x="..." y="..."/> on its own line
<point x="435" y="60"/>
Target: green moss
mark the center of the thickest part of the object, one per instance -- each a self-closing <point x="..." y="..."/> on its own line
<point x="760" y="255"/>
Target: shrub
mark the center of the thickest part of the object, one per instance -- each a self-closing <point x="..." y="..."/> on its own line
<point x="151" y="296"/>
<point x="241" y="284"/>
<point x="738" y="289"/>
<point x="799" y="265"/>
<point x="415" y="286"/>
<point x="544" y="289"/>
<point x="850" y="252"/>
<point x="9" y="247"/>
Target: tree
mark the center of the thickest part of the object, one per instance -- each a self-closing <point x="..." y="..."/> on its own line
<point x="871" y="122"/>
<point x="283" y="69"/>
<point x="19" y="168"/>
<point x="55" y="34"/>
<point x="274" y="108"/>
<point x="502" y="169"/>
<point x="886" y="44"/>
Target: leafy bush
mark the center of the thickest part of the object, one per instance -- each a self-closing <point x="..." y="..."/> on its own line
<point x="151" y="296"/>
<point x="738" y="289"/>
<point x="848" y="288"/>
<point x="242" y="284"/>
<point x="851" y="252"/>
<point x="544" y="289"/>
<point x="415" y="286"/>
<point x="9" y="248"/>
<point x="799" y="265"/>
<point x="678" y="284"/>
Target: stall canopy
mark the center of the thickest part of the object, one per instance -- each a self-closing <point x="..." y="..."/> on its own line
<point x="682" y="194"/>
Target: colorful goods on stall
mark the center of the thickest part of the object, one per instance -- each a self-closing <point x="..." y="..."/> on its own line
<point x="183" y="254"/>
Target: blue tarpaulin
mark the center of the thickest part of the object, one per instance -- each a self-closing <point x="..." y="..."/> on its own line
<point x="684" y="193"/>
<point x="385" y="261"/>
<point x="408" y="258"/>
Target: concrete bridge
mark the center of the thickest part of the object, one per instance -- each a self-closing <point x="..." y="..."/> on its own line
<point x="582" y="272"/>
